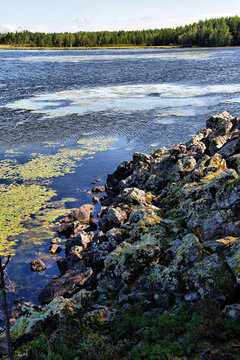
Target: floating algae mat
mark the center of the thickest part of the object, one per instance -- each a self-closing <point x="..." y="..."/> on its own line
<point x="26" y="191"/>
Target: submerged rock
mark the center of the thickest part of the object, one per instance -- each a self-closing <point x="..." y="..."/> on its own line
<point x="37" y="265"/>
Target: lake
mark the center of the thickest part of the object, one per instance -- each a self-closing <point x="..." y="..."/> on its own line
<point x="68" y="117"/>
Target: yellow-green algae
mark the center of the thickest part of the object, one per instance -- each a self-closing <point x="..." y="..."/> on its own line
<point x="29" y="193"/>
<point x="48" y="166"/>
<point x="18" y="202"/>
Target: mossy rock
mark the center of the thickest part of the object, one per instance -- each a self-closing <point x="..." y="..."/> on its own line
<point x="211" y="279"/>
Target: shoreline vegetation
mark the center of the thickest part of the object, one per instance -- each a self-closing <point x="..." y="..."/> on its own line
<point x="20" y="47"/>
<point x="157" y="276"/>
<point x="224" y="31"/>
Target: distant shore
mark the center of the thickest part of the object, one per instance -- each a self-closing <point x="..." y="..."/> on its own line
<point x="119" y="47"/>
<point x="13" y="47"/>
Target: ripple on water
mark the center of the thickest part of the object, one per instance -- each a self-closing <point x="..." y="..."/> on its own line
<point x="132" y="55"/>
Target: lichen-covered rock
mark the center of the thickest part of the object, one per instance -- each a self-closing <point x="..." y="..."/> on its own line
<point x="211" y="279"/>
<point x="135" y="196"/>
<point x="27" y="327"/>
<point x="233" y="259"/>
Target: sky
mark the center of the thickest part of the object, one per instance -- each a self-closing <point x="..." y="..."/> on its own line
<point x="97" y="15"/>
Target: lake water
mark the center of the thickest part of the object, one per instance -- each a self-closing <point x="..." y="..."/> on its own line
<point x="68" y="117"/>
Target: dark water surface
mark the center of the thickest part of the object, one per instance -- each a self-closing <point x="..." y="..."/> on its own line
<point x="67" y="117"/>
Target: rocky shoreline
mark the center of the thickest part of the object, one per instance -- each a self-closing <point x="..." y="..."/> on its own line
<point x="167" y="238"/>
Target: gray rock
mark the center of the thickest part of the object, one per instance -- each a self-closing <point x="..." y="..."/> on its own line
<point x="211" y="279"/>
<point x="113" y="217"/>
<point x="82" y="239"/>
<point x="232" y="312"/>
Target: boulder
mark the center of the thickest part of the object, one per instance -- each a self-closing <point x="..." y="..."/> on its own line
<point x="37" y="265"/>
<point x="71" y="282"/>
<point x="112" y="218"/>
<point x="55" y="249"/>
<point x="211" y="279"/>
<point x="82" y="214"/>
<point x="98" y="189"/>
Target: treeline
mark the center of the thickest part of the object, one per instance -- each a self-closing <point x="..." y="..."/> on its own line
<point x="212" y="32"/>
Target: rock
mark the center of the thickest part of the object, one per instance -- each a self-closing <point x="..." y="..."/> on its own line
<point x="135" y="196"/>
<point x="37" y="265"/>
<point x="82" y="239"/>
<point x="233" y="258"/>
<point x="208" y="355"/>
<point x="95" y="200"/>
<point x="55" y="249"/>
<point x="211" y="279"/>
<point x="82" y="214"/>
<point x="145" y="158"/>
<point x="112" y="217"/>
<point x="75" y="228"/>
<point x="88" y="192"/>
<point x="220" y="123"/>
<point x="96" y="181"/>
<point x="55" y="240"/>
<point x="71" y="282"/>
<point x="98" y="189"/>
<point x="26" y="327"/>
<point x="232" y="312"/>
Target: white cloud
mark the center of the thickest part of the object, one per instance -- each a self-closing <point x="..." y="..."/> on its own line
<point x="81" y="21"/>
<point x="8" y="28"/>
<point x="41" y="28"/>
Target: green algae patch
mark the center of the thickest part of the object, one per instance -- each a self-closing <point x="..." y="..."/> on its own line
<point x="41" y="166"/>
<point x="18" y="202"/>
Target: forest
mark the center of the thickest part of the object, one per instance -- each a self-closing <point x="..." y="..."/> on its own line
<point x="223" y="31"/>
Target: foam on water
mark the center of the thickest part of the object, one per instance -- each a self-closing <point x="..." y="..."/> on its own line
<point x="174" y="98"/>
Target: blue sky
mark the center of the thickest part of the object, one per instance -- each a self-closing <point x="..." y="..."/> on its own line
<point x="93" y="15"/>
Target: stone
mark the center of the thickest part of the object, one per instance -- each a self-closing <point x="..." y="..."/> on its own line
<point x="112" y="217"/>
<point x="55" y="240"/>
<point x="211" y="279"/>
<point x="98" y="189"/>
<point x="220" y="123"/>
<point x="71" y="282"/>
<point x="135" y="196"/>
<point x="232" y="312"/>
<point x="82" y="239"/>
<point x="82" y="214"/>
<point x="26" y="327"/>
<point x="37" y="265"/>
<point x="55" y="249"/>
<point x="95" y="200"/>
